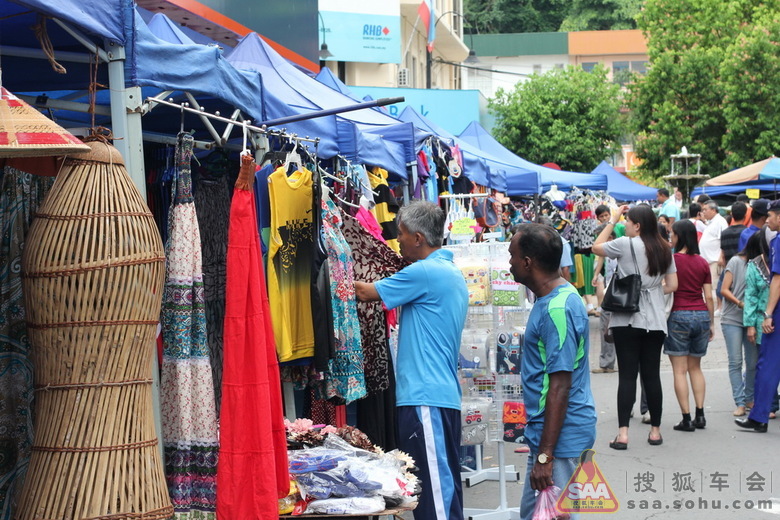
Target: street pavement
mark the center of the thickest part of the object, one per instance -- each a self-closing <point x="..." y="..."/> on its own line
<point x="716" y="473"/>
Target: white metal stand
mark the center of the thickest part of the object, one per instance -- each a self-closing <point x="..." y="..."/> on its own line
<point x="503" y="512"/>
<point x="502" y="388"/>
<point x="481" y="474"/>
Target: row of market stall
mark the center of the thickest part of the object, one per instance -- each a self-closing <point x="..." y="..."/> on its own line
<point x="90" y="63"/>
<point x="158" y="60"/>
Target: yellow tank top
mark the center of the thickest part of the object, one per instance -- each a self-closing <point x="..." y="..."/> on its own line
<point x="290" y="263"/>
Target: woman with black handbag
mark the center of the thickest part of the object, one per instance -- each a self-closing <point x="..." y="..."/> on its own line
<point x="635" y="295"/>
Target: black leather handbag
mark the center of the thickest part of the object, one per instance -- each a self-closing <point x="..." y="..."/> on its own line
<point x="622" y="294"/>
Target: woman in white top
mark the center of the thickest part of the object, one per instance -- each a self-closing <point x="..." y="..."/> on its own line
<point x="639" y="336"/>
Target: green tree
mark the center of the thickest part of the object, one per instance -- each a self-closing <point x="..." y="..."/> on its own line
<point x="752" y="125"/>
<point x="694" y="94"/>
<point x="515" y="16"/>
<point x="567" y="116"/>
<point x="601" y="15"/>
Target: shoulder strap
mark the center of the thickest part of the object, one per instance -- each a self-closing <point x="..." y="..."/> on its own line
<point x="633" y="255"/>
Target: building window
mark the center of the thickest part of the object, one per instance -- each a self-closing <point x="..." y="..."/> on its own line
<point x="537" y="68"/>
<point x="588" y="66"/>
<point x="621" y="73"/>
<point x="559" y="65"/>
<point x="640" y="67"/>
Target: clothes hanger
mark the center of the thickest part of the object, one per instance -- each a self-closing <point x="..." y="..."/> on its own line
<point x="293" y="157"/>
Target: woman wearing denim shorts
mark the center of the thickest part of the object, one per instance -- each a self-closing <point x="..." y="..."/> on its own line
<point x="691" y="325"/>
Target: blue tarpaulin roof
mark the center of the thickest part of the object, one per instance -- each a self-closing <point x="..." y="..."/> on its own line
<point x="164" y="28"/>
<point x="289" y="91"/>
<point x="326" y="77"/>
<point x="519" y="184"/>
<point x="623" y="188"/>
<point x="714" y="191"/>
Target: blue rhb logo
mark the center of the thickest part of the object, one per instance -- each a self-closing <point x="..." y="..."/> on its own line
<point x="375" y="30"/>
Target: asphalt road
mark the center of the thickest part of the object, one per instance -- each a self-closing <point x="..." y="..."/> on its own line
<point x="716" y="473"/>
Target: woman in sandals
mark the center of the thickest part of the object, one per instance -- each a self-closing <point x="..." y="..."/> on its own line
<point x="639" y="336"/>
<point x="691" y="324"/>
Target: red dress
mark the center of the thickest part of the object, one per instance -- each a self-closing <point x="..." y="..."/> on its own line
<point x="253" y="471"/>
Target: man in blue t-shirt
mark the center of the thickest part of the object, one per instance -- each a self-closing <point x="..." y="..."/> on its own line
<point x="434" y="300"/>
<point x="668" y="207"/>
<point x="768" y="366"/>
<point x="556" y="378"/>
<point x="758" y="215"/>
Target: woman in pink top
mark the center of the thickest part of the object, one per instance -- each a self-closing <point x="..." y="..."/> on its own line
<point x="691" y="324"/>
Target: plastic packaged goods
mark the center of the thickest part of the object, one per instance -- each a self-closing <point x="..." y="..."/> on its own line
<point x="346" y="506"/>
<point x="336" y="477"/>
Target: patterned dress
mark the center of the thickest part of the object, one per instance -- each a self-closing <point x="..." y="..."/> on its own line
<point x="189" y="420"/>
<point x="20" y="198"/>
<point x="345" y="378"/>
<point x="374" y="260"/>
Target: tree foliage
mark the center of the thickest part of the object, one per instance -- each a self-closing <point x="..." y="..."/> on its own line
<point x="515" y="16"/>
<point x="710" y="85"/>
<point x="567" y="116"/>
<point x="601" y="15"/>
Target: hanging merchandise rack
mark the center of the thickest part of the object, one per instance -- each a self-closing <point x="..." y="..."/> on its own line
<point x="495" y="329"/>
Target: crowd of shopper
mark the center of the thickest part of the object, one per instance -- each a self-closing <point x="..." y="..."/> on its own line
<point x="700" y="267"/>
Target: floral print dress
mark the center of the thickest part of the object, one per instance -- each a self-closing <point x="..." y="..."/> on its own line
<point x="189" y="421"/>
<point x="345" y="379"/>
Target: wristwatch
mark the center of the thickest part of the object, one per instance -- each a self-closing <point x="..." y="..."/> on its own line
<point x="543" y="458"/>
<point x="767" y="316"/>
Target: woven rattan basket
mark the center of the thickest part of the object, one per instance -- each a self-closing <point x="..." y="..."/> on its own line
<point x="93" y="276"/>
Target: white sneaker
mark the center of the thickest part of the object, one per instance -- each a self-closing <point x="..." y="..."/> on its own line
<point x="646" y="418"/>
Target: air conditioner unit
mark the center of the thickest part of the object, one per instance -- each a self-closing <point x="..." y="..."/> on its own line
<point x="403" y="78"/>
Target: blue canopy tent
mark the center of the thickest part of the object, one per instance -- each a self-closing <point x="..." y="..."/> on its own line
<point x="289" y="90"/>
<point x="326" y="77"/>
<point x="517" y="185"/>
<point x="481" y="167"/>
<point x="135" y="64"/>
<point x="623" y="188"/>
<point x="714" y="191"/>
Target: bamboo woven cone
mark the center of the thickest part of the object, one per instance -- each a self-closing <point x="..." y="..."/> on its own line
<point x="93" y="277"/>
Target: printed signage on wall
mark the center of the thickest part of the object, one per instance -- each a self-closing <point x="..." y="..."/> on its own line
<point x="356" y="30"/>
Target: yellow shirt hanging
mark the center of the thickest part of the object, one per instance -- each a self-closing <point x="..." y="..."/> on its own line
<point x="290" y="262"/>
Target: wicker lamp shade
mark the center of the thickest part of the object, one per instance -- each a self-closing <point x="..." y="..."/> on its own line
<point x="25" y="132"/>
<point x="93" y="276"/>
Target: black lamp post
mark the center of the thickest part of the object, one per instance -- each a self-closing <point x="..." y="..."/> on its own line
<point x="324" y="52"/>
<point x="472" y="58"/>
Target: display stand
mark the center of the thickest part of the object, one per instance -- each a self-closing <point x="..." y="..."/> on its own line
<point x="501" y="382"/>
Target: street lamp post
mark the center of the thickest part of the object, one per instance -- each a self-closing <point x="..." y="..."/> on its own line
<point x="472" y="58"/>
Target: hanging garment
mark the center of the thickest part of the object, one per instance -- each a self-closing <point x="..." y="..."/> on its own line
<point x="367" y="219"/>
<point x="321" y="298"/>
<point x="21" y="195"/>
<point x="290" y="263"/>
<point x="188" y="406"/>
<point x="263" y="204"/>
<point x="374" y="261"/>
<point x="345" y="379"/>
<point x="386" y="207"/>
<point x="212" y="205"/>
<point x="253" y="445"/>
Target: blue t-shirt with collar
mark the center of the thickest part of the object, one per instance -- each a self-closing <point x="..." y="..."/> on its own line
<point x="557" y="340"/>
<point x="670" y="209"/>
<point x="435" y="300"/>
